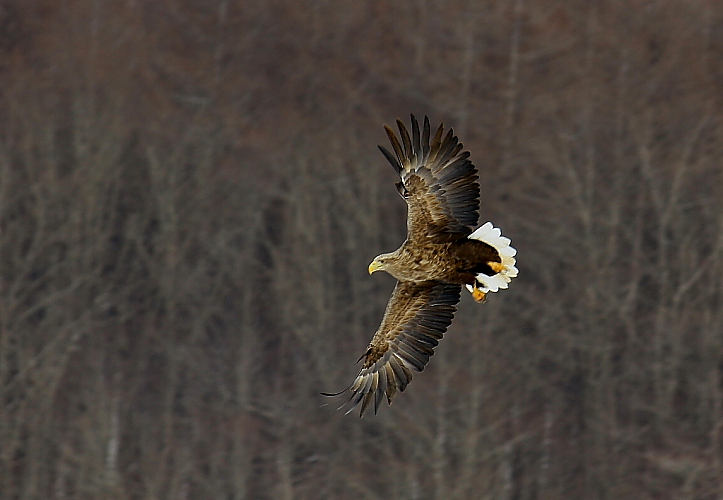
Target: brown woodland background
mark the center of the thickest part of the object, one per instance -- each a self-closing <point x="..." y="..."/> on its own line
<point x="190" y="194"/>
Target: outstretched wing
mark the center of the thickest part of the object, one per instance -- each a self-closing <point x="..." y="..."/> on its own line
<point x="416" y="318"/>
<point x="438" y="181"/>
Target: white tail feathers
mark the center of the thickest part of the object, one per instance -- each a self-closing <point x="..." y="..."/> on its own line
<point x="491" y="235"/>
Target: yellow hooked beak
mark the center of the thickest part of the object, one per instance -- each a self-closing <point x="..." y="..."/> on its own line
<point x="374" y="266"/>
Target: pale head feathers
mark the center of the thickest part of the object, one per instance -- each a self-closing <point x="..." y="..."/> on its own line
<point x="383" y="262"/>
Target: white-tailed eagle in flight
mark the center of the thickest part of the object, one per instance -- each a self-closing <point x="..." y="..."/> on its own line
<point x="443" y="252"/>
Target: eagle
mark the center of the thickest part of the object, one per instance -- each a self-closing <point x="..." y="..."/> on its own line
<point x="443" y="252"/>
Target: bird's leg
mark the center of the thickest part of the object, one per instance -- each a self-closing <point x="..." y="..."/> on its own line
<point x="495" y="266"/>
<point x="477" y="294"/>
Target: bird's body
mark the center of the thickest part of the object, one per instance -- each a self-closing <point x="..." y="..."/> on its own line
<point x="455" y="262"/>
<point x="442" y="252"/>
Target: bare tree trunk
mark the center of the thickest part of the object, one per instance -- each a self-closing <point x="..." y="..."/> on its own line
<point x="512" y="82"/>
<point x="440" y="437"/>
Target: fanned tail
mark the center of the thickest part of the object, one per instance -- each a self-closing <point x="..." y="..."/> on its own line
<point x="491" y="235"/>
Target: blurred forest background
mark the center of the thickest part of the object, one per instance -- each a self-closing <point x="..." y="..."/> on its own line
<point x="190" y="194"/>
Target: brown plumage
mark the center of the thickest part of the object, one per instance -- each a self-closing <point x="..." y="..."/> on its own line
<point x="441" y="253"/>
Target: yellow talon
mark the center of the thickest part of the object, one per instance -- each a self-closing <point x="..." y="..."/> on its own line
<point x="495" y="266"/>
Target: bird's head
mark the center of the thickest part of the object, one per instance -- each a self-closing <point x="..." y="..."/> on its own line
<point x="380" y="263"/>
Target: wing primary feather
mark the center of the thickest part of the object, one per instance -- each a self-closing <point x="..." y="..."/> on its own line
<point x="442" y="321"/>
<point x="427" y="339"/>
<point x="395" y="144"/>
<point x="359" y="394"/>
<point x="415" y="359"/>
<point x="357" y="397"/>
<point x="436" y="143"/>
<point x="451" y="172"/>
<point x="332" y="394"/>
<point x="391" y="159"/>
<point x="407" y="373"/>
<point x="449" y="143"/>
<point x="391" y="382"/>
<point x="381" y="388"/>
<point x="399" y="374"/>
<point x="405" y="139"/>
<point x="336" y="394"/>
<point x="365" y="403"/>
<point x="352" y="393"/>
<point x="416" y="145"/>
<point x="421" y="345"/>
<point x="370" y="393"/>
<point x="425" y="138"/>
